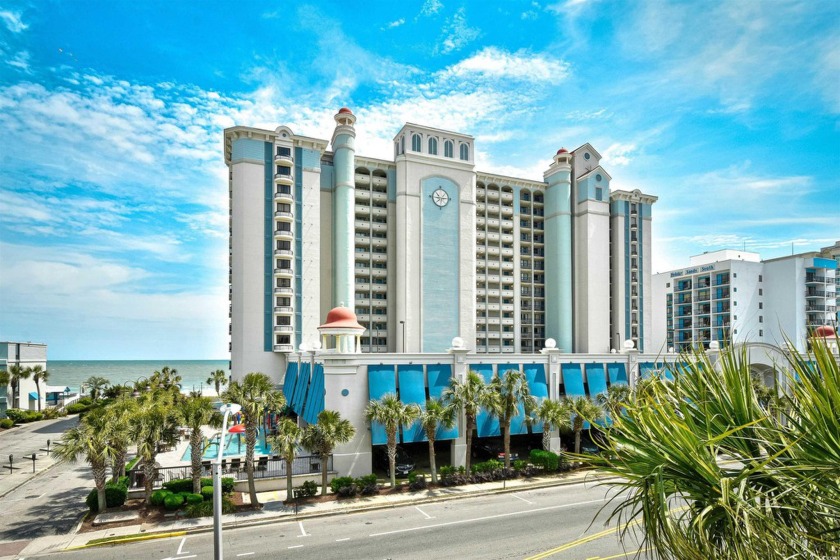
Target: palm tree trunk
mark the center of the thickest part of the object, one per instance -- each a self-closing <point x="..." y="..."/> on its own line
<point x="392" y="456"/>
<point x="195" y="456"/>
<point x="578" y="429"/>
<point x="100" y="474"/>
<point x="432" y="465"/>
<point x="149" y="475"/>
<point x="289" y="492"/>
<point x="507" y="442"/>
<point x="118" y="466"/>
<point x="38" y="389"/>
<point x="250" y="444"/>
<point x="546" y="437"/>
<point x="470" y="425"/>
<point x="324" y="474"/>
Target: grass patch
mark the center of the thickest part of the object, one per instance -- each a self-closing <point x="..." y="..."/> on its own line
<point x="132" y="463"/>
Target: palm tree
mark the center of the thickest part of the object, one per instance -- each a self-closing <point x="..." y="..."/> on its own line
<point x="615" y="398"/>
<point x="119" y="416"/>
<point x="97" y="385"/>
<point x="436" y="414"/>
<point x="581" y="409"/>
<point x="197" y="411"/>
<point x="469" y="396"/>
<point x="322" y="437"/>
<point x="285" y="443"/>
<point x="39" y="374"/>
<point x="391" y="412"/>
<point x="89" y="439"/>
<point x="510" y="389"/>
<point x="167" y="379"/>
<point x="553" y="415"/>
<point x="780" y="501"/>
<point x="217" y="379"/>
<point x="256" y="394"/>
<point x="154" y="422"/>
<point x="16" y="373"/>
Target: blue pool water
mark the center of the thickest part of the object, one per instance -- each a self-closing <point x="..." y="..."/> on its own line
<point x="234" y="447"/>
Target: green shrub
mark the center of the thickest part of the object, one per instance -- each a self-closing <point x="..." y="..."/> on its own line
<point x="115" y="496"/>
<point x="173" y="501"/>
<point x="52" y="413"/>
<point x="519" y="464"/>
<point x="308" y="488"/>
<point x="344" y="486"/>
<point x="207" y="492"/>
<point x="77" y="408"/>
<point x="158" y="496"/>
<point x="545" y="459"/>
<point x="6" y="423"/>
<point x="487" y="466"/>
<point x="180" y="485"/>
<point x="205" y="509"/>
<point x="194" y="499"/>
<point x="417" y="481"/>
<point x="85" y="400"/>
<point x="368" y="485"/>
<point x="20" y="416"/>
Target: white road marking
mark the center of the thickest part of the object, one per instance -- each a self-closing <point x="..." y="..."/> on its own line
<point x="245" y="554"/>
<point x="342" y="540"/>
<point x="462" y="521"/>
<point x="523" y="499"/>
<point x="303" y="533"/>
<point x="181" y="546"/>
<point x="296" y="546"/>
<point x="423" y="512"/>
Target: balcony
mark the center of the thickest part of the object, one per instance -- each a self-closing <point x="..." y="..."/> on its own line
<point x="286" y="290"/>
<point x="811" y="293"/>
<point x="284" y="310"/>
<point x="282" y="196"/>
<point x="814" y="279"/>
<point x="284" y="234"/>
<point x="284" y="160"/>
<point x="283" y="348"/>
<point x="285" y="216"/>
<point x="281" y="179"/>
<point x="284" y="329"/>
<point x="283" y="253"/>
<point x="284" y="272"/>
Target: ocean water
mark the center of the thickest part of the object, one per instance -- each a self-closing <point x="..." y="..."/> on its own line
<point x="72" y="373"/>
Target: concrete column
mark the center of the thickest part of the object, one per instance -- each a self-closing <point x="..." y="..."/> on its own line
<point x="632" y="354"/>
<point x="458" y="447"/>
<point x="345" y="390"/>
<point x="344" y="162"/>
<point x="552" y="377"/>
<point x="558" y="252"/>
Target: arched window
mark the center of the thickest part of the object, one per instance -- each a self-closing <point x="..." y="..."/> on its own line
<point x="433" y="146"/>
<point x="415" y="142"/>
<point x="396" y="149"/>
<point x="402" y="144"/>
<point x="465" y="152"/>
<point x="447" y="148"/>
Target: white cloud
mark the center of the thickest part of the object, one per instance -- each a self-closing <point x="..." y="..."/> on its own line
<point x="618" y="154"/>
<point x="395" y="23"/>
<point x="431" y="7"/>
<point x="12" y="21"/>
<point x="20" y="61"/>
<point x="494" y="63"/>
<point x="457" y="33"/>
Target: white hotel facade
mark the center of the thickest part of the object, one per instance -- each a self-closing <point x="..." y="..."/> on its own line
<point x="424" y="248"/>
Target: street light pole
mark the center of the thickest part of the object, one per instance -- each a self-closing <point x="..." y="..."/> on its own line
<point x="402" y="324"/>
<point x="227" y="410"/>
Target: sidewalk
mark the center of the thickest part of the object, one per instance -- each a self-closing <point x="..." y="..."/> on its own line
<point x="274" y="511"/>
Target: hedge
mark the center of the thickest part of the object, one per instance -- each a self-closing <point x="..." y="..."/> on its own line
<point x="6" y="423"/>
<point x="115" y="496"/>
<point x="545" y="459"/>
<point x="173" y="501"/>
<point x="186" y="484"/>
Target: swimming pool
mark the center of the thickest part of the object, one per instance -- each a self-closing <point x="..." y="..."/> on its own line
<point x="234" y="446"/>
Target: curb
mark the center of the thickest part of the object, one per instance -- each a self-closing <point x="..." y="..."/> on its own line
<point x="349" y="510"/>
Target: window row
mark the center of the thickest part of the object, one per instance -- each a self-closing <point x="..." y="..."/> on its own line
<point x="433" y="146"/>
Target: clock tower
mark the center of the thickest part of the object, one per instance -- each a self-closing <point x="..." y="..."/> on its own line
<point x="435" y="245"/>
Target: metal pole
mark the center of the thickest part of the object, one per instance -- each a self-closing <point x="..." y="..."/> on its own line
<point x="217" y="486"/>
<point x="402" y="324"/>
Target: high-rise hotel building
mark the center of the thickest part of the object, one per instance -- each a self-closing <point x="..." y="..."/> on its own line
<point x="425" y="247"/>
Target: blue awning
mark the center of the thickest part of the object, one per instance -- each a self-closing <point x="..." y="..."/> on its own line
<point x="381" y="381"/>
<point x="573" y="380"/>
<point x="517" y="423"/>
<point x="33" y="395"/>
<point x="486" y="424"/>
<point x="289" y="382"/>
<point x="646" y="369"/>
<point x="412" y="391"/>
<point x="618" y="373"/>
<point x="439" y="376"/>
<point x="596" y="379"/>
<point x="301" y="386"/>
<point x="535" y="374"/>
<point x="315" y="395"/>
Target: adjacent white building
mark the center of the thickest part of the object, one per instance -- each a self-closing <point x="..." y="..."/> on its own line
<point x="424" y="247"/>
<point x="25" y="355"/>
<point x="733" y="296"/>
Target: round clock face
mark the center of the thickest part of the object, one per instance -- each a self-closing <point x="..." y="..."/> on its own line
<point x="440" y="197"/>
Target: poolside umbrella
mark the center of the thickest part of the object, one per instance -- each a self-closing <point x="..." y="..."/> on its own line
<point x="238" y="429"/>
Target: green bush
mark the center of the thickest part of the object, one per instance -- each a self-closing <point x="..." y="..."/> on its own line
<point x="368" y="485"/>
<point x="417" y="481"/>
<point x="308" y="488"/>
<point x="158" y="496"/>
<point x="20" y="416"/>
<point x="207" y="492"/>
<point x="519" y="464"/>
<point x="185" y="485"/>
<point x="53" y="413"/>
<point x="546" y="459"/>
<point x="77" y="408"/>
<point x="115" y="496"/>
<point x="205" y="509"/>
<point x="487" y="466"/>
<point x="85" y="400"/>
<point x="173" y="501"/>
<point x="194" y="499"/>
<point x="6" y="423"/>
<point x="344" y="486"/>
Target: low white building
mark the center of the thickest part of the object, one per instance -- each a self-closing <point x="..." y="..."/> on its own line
<point x="26" y="355"/>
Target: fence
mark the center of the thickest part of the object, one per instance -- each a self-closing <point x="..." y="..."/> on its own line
<point x="264" y="467"/>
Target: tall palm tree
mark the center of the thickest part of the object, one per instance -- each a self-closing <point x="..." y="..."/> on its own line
<point x="553" y="415"/>
<point x="469" y="396"/>
<point x="96" y="385"/>
<point x="167" y="379"/>
<point x="154" y="423"/>
<point x="119" y="416"/>
<point x="580" y="410"/>
<point x="322" y="437"/>
<point x="615" y="398"/>
<point x="16" y="374"/>
<point x="39" y="374"/>
<point x="783" y="497"/>
<point x="197" y="411"/>
<point x="391" y="412"/>
<point x="256" y="394"/>
<point x="285" y="443"/>
<point x="217" y="379"/>
<point x="510" y="389"/>
<point x="89" y="439"/>
<point x="436" y="414"/>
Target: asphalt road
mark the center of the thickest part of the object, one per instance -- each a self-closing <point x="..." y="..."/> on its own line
<point x="542" y="523"/>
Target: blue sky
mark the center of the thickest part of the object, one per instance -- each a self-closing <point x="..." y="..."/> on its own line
<point x="113" y="196"/>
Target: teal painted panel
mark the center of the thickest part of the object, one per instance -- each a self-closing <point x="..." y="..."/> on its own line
<point x="310" y="159"/>
<point x="300" y="389"/>
<point x="535" y="374"/>
<point x="440" y="266"/>
<point x="391" y="175"/>
<point x="412" y="391"/>
<point x="381" y="381"/>
<point x="246" y="148"/>
<point x="646" y="369"/>
<point x="327" y="178"/>
<point x="517" y="423"/>
<point x="596" y="378"/>
<point x="487" y="425"/>
<point x="439" y="376"/>
<point x="573" y="380"/>
<point x="315" y="395"/>
<point x="617" y="373"/>
<point x="289" y="381"/>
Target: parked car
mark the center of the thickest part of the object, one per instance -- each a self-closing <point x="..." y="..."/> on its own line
<point x="487" y="450"/>
<point x="403" y="462"/>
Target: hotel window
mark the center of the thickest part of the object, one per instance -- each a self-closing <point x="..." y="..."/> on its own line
<point x="761" y="318"/>
<point x="760" y="332"/>
<point x="283" y="170"/>
<point x="402" y="145"/>
<point x="285" y="152"/>
<point x="465" y="152"/>
<point x="760" y="292"/>
<point x="433" y="146"/>
<point x="415" y="142"/>
<point x="599" y="193"/>
<point x="448" y="149"/>
<point x="760" y="305"/>
<point x="760" y="279"/>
